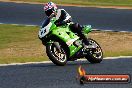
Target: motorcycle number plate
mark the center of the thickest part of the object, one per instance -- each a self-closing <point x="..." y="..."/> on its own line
<point x="44" y="31"/>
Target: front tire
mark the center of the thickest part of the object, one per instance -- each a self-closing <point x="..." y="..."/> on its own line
<point x="95" y="54"/>
<point x="58" y="57"/>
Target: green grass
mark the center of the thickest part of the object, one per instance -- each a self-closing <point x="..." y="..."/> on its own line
<point x="87" y="2"/>
<point x="13" y="34"/>
<point x="120" y="53"/>
<point x="20" y="43"/>
<point x="21" y="59"/>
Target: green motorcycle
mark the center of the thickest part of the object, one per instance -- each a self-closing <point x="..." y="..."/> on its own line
<point x="63" y="45"/>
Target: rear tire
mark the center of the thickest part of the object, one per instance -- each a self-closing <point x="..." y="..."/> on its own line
<point x="60" y="59"/>
<point x="95" y="54"/>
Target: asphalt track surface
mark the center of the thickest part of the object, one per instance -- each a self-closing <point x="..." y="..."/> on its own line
<point x="51" y="76"/>
<point x="99" y="18"/>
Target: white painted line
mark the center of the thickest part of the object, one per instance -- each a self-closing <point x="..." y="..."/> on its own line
<point x="113" y="7"/>
<point x="19" y="24"/>
<point x="49" y="62"/>
<point x="120" y="57"/>
<point x="92" y="29"/>
<point x="13" y="64"/>
<point x="108" y="30"/>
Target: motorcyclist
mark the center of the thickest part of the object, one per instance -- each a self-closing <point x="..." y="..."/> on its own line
<point x="62" y="18"/>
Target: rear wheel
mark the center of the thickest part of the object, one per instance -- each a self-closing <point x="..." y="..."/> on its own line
<point x="57" y="55"/>
<point x="95" y="52"/>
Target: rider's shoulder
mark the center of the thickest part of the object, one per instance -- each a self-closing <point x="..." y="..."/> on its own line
<point x="61" y="9"/>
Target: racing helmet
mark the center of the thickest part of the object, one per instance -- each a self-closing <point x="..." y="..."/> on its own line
<point x="50" y="8"/>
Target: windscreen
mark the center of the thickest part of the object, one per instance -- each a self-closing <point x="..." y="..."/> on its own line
<point x="45" y="22"/>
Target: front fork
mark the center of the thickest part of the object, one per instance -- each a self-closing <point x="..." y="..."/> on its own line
<point x="57" y="46"/>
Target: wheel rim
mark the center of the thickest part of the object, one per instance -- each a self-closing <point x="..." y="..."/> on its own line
<point x="59" y="54"/>
<point x="96" y="52"/>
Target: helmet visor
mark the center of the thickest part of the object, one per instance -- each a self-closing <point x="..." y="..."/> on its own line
<point x="49" y="12"/>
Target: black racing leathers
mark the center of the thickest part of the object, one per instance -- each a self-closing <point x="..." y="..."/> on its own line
<point x="63" y="17"/>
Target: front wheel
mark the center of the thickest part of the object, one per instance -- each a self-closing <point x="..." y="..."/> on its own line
<point x="95" y="53"/>
<point x="56" y="54"/>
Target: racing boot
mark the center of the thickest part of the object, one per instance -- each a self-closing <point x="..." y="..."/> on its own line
<point x="82" y="35"/>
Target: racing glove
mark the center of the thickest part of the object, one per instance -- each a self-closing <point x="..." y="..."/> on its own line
<point x="62" y="23"/>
